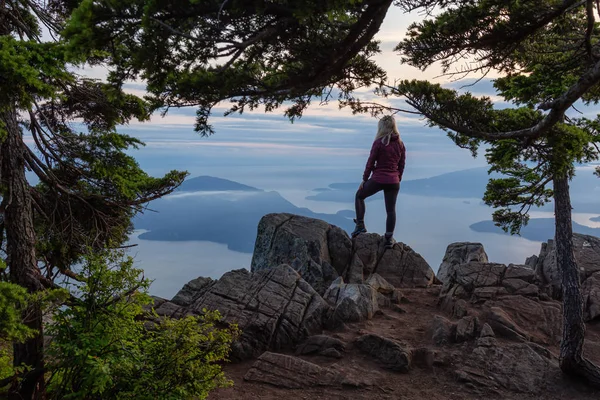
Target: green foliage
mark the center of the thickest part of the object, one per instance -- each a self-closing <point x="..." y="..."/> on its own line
<point x="546" y="53"/>
<point x="28" y="70"/>
<point x="259" y="53"/>
<point x="105" y="345"/>
<point x="13" y="299"/>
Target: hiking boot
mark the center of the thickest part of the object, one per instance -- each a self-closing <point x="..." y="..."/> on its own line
<point x="389" y="241"/>
<point x="360" y="228"/>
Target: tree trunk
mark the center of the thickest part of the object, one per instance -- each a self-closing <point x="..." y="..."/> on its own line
<point x="571" y="348"/>
<point x="22" y="262"/>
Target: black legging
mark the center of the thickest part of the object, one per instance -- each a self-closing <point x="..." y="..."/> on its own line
<point x="390" y="192"/>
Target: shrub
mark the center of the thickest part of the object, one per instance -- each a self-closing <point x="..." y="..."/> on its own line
<point x="106" y="344"/>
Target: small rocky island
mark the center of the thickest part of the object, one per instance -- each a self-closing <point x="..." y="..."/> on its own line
<point x="327" y="317"/>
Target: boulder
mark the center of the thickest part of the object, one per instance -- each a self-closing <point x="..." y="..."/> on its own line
<point x="274" y="308"/>
<point x="351" y="302"/>
<point x="587" y="255"/>
<point x="320" y="252"/>
<point x="523" y="272"/>
<point x="518" y="367"/>
<point x="477" y="274"/>
<point x="457" y="254"/>
<point x="501" y="323"/>
<point x="294" y="373"/>
<point x="442" y="330"/>
<point x="591" y="297"/>
<point x="540" y="321"/>
<point x="513" y="285"/>
<point x="466" y="329"/>
<point x="401" y="266"/>
<point x="389" y="353"/>
<point x="487" y="331"/>
<point x="188" y="294"/>
<point x="318" y="344"/>
<point x="378" y="283"/>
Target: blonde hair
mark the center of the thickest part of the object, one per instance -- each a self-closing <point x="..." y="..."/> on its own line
<point x="386" y="128"/>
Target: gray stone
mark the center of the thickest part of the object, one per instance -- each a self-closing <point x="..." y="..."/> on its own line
<point x="457" y="254"/>
<point x="466" y="329"/>
<point x="487" y="331"/>
<point x="540" y="321"/>
<point x="477" y="274"/>
<point x="514" y="284"/>
<point x="515" y="367"/>
<point x="587" y="255"/>
<point x="294" y="373"/>
<point x="503" y="325"/>
<point x="401" y="266"/>
<point x="389" y="353"/>
<point x="488" y="293"/>
<point x="398" y="297"/>
<point x="591" y="297"/>
<point x="460" y="309"/>
<point x="192" y="290"/>
<point x="274" y="308"/>
<point x="383" y="301"/>
<point x="318" y="344"/>
<point x="351" y="302"/>
<point x="530" y="290"/>
<point x="523" y="272"/>
<point x="304" y="244"/>
<point x="487" y="341"/>
<point x="378" y="283"/>
<point x="442" y="330"/>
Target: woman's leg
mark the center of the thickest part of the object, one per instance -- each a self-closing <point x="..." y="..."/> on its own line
<point x="369" y="189"/>
<point x="391" y="195"/>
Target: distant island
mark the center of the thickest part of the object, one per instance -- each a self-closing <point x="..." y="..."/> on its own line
<point x="467" y="184"/>
<point x="538" y="229"/>
<point x="212" y="184"/>
<point x="221" y="211"/>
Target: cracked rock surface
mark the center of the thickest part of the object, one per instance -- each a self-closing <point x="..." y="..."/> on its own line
<point x="274" y="308"/>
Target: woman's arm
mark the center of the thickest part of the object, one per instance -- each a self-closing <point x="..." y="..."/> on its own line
<point x="371" y="161"/>
<point x="402" y="161"/>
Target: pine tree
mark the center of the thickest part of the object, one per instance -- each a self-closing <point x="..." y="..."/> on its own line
<point x="548" y="53"/>
<point x="61" y="128"/>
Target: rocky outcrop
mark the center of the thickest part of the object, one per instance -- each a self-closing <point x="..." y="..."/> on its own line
<point x="587" y="255"/>
<point x="389" y="353"/>
<point x="321" y="344"/>
<point x="591" y="297"/>
<point x="351" y="302"/>
<point x="294" y="373"/>
<point x="509" y="297"/>
<point x="518" y="367"/>
<point x="460" y="253"/>
<point x="274" y="308"/>
<point x="304" y="244"/>
<point x="321" y="252"/>
<point x="477" y="281"/>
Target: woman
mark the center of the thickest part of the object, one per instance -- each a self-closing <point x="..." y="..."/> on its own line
<point x="386" y="162"/>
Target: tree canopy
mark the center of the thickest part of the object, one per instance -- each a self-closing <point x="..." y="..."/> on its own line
<point x="258" y="53"/>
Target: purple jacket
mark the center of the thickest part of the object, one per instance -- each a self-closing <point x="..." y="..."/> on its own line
<point x="386" y="162"/>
